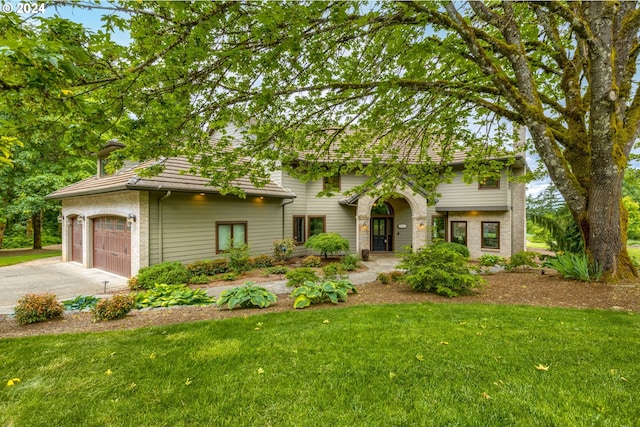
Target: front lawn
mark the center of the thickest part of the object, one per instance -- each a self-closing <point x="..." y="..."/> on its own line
<point x="17" y="259"/>
<point x="406" y="364"/>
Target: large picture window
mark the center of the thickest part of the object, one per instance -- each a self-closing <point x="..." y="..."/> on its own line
<point x="316" y="225"/>
<point x="230" y="234"/>
<point x="459" y="232"/>
<point x="299" y="230"/>
<point x="491" y="235"/>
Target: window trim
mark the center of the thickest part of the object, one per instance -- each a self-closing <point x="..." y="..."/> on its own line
<point x="337" y="188"/>
<point x="482" y="245"/>
<point x="304" y="229"/>
<point x="483" y="186"/>
<point x="324" y="224"/>
<point x="466" y="231"/>
<point x="232" y="223"/>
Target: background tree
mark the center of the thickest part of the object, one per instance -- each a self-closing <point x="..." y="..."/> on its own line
<point x="395" y="81"/>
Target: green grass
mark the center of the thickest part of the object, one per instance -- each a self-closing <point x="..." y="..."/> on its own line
<point x="633" y="251"/>
<point x="17" y="259"/>
<point x="423" y="364"/>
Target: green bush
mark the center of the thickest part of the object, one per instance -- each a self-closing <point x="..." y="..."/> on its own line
<point x="245" y="296"/>
<point x="350" y="262"/>
<point x="238" y="258"/>
<point x="574" y="266"/>
<point x="487" y="260"/>
<point x="172" y="273"/>
<point x="276" y="269"/>
<point x="456" y="247"/>
<point x="327" y="243"/>
<point x="199" y="280"/>
<point x="298" y="276"/>
<point x="80" y="302"/>
<point x="522" y="259"/>
<point x="283" y="248"/>
<point x="384" y="278"/>
<point x="113" y="308"/>
<point x="34" y="308"/>
<point x="397" y="276"/>
<point x="261" y="261"/>
<point x="230" y="276"/>
<point x="208" y="267"/>
<point x="311" y="261"/>
<point x="439" y="269"/>
<point x="313" y="293"/>
<point x="333" y="271"/>
<point x="171" y="295"/>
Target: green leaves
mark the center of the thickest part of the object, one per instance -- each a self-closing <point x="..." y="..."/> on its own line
<point x="314" y="293"/>
<point x="170" y="295"/>
<point x="245" y="296"/>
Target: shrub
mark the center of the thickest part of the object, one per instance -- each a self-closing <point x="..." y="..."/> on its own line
<point x="298" y="276"/>
<point x="238" y="258"/>
<point x="333" y="270"/>
<point x="574" y="266"/>
<point x="230" y="276"/>
<point x="245" y="296"/>
<point x="80" y="302"/>
<point x="313" y="293"/>
<point x="384" y="278"/>
<point x="170" y="295"/>
<point x="397" y="276"/>
<point x="487" y="260"/>
<point x="261" y="261"/>
<point x="34" y="308"/>
<point x="113" y="308"/>
<point x="311" y="261"/>
<point x="327" y="243"/>
<point x="276" y="269"/>
<point x="283" y="248"/>
<point x="166" y="272"/>
<point x="456" y="247"/>
<point x="521" y="259"/>
<point x="208" y="267"/>
<point x="199" y="280"/>
<point x="350" y="262"/>
<point x="439" y="269"/>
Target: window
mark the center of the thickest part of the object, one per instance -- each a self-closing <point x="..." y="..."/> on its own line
<point x="230" y="234"/>
<point x="459" y="232"/>
<point x="298" y="229"/>
<point x="316" y="225"/>
<point x="438" y="228"/>
<point x="491" y="235"/>
<point x="490" y="183"/>
<point x="331" y="183"/>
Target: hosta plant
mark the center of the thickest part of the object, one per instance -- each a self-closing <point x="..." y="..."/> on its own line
<point x="80" y="302"/>
<point x="247" y="295"/>
<point x="170" y="295"/>
<point x="314" y="293"/>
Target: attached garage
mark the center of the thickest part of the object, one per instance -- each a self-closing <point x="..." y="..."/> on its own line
<point x="76" y="240"/>
<point x="112" y="245"/>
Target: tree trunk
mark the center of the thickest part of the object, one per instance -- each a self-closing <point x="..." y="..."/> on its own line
<point x="36" y="222"/>
<point x="2" y="228"/>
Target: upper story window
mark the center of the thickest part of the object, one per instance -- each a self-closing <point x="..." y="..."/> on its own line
<point x="489" y="183"/>
<point x="331" y="183"/>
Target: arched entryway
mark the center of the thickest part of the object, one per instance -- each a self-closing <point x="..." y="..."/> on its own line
<point x="382" y="227"/>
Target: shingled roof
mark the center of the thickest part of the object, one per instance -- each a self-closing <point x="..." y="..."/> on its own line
<point x="171" y="178"/>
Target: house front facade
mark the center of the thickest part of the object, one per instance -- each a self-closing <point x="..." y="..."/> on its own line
<point x="123" y="222"/>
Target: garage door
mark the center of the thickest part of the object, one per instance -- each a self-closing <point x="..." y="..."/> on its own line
<point x="112" y="245"/>
<point x="76" y="240"/>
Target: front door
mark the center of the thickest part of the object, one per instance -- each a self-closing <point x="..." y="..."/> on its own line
<point x="382" y="234"/>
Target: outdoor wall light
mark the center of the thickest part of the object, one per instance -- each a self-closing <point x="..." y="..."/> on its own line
<point x="365" y="226"/>
<point x="60" y="219"/>
<point x="421" y="226"/>
<point x="80" y="219"/>
<point x="131" y="218"/>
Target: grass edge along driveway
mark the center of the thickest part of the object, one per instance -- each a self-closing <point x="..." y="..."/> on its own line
<point x="409" y="364"/>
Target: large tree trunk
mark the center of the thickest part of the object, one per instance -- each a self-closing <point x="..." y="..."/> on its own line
<point x="604" y="228"/>
<point x="36" y="221"/>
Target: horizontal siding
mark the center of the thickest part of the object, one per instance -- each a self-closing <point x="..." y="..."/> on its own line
<point x="402" y="215"/>
<point x="458" y="194"/>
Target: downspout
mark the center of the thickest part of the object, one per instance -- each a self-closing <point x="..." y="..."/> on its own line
<point x="283" y="204"/>
<point x="160" y="228"/>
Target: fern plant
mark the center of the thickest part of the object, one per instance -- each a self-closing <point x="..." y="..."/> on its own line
<point x="247" y="295"/>
<point x="574" y="266"/>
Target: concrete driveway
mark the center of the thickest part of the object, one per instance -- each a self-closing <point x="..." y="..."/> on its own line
<point x="64" y="279"/>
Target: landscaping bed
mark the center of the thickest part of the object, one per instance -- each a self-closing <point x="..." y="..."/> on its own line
<point x="528" y="287"/>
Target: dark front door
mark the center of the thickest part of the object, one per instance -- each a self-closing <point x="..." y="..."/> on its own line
<point x="382" y="234"/>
